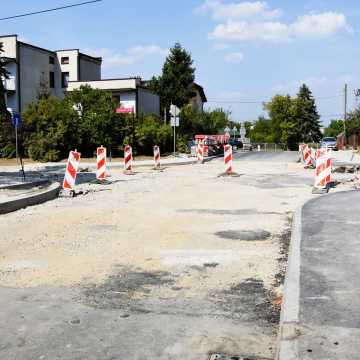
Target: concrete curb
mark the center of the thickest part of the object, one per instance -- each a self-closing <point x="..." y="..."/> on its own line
<point x="289" y="329"/>
<point x="49" y="193"/>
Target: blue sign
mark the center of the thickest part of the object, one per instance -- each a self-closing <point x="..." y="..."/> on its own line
<point x="16" y="119"/>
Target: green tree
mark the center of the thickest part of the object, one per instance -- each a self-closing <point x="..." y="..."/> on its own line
<point x="281" y="111"/>
<point x="97" y="123"/>
<point x="335" y="128"/>
<point x="178" y="74"/>
<point x="50" y="129"/>
<point x="193" y="122"/>
<point x="307" y="116"/>
<point x="353" y="123"/>
<point x="151" y="131"/>
<point x="262" y="131"/>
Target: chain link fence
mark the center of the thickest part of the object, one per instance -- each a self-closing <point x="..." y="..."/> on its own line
<point x="269" y="147"/>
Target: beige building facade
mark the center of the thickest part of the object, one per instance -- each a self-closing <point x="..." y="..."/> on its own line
<point x="34" y="70"/>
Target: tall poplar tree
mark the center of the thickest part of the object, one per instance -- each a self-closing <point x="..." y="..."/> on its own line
<point x="178" y="74"/>
<point x="307" y="116"/>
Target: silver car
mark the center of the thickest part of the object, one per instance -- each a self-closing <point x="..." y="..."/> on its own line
<point x="329" y="142"/>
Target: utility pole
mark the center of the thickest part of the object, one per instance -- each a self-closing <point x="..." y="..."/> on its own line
<point x="345" y="110"/>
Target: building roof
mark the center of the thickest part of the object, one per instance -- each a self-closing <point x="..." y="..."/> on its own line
<point x="36" y="47"/>
<point x="201" y="91"/>
<point x="95" y="58"/>
<point x="9" y="35"/>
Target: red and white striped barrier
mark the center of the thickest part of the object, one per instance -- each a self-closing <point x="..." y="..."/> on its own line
<point x="72" y="167"/>
<point x="307" y="156"/>
<point x="128" y="158"/>
<point x="101" y="163"/>
<point x="228" y="158"/>
<point x="206" y="150"/>
<point x="156" y="157"/>
<point x="323" y="170"/>
<point x="200" y="151"/>
<point x="323" y="151"/>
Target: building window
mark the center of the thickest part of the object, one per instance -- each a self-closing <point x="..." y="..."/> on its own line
<point x="51" y="60"/>
<point x="65" y="60"/>
<point x="64" y="79"/>
<point x="52" y="79"/>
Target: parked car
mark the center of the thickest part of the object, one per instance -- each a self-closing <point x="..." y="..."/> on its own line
<point x="236" y="144"/>
<point x="248" y="146"/>
<point x="329" y="142"/>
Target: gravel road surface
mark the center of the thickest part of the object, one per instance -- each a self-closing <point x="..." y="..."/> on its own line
<point x="177" y="264"/>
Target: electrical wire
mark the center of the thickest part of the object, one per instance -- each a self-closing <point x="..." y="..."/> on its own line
<point x="49" y="10"/>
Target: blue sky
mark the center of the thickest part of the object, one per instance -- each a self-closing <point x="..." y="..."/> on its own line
<point x="244" y="51"/>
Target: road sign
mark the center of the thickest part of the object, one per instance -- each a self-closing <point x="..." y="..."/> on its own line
<point x="16" y="120"/>
<point x="174" y="110"/>
<point x="174" y="121"/>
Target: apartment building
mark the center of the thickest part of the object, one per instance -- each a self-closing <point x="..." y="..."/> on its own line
<point x="33" y="70"/>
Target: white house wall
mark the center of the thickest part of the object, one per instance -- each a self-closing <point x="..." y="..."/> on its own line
<point x="9" y="46"/>
<point x="113" y="85"/>
<point x="72" y="67"/>
<point x="11" y="84"/>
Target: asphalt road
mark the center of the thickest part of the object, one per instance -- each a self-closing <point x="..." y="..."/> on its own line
<point x="280" y="156"/>
<point x="329" y="305"/>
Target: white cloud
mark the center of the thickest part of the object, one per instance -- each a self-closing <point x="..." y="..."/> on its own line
<point x="242" y="30"/>
<point x="318" y="25"/>
<point x="245" y="21"/>
<point x="237" y="10"/>
<point x="234" y="58"/>
<point x="131" y="56"/>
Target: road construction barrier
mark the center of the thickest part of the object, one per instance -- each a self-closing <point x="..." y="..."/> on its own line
<point x="72" y="167"/>
<point x="301" y="152"/>
<point x="307" y="156"/>
<point x="323" y="170"/>
<point x="228" y="158"/>
<point x="206" y="150"/>
<point x="128" y="159"/>
<point x="200" y="151"/>
<point x="156" y="157"/>
<point x="101" y="163"/>
<point x="323" y="151"/>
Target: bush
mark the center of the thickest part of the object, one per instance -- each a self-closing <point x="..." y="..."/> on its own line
<point x="149" y="132"/>
<point x="7" y="137"/>
<point x="50" y="129"/>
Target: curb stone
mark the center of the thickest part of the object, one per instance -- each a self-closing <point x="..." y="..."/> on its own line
<point x="50" y="192"/>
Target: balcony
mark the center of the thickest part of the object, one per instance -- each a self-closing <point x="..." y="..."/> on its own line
<point x="10" y="84"/>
